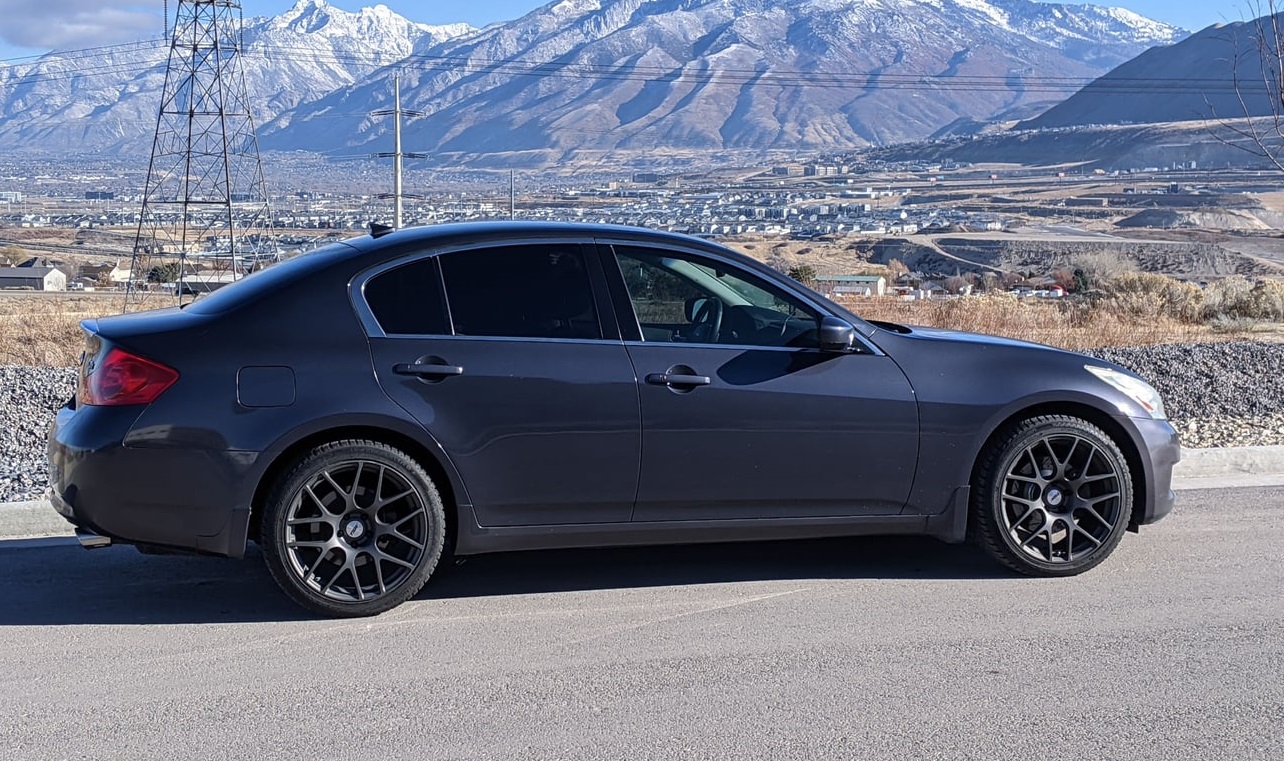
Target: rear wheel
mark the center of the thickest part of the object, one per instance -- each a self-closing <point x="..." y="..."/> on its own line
<point x="355" y="528"/>
<point x="1052" y="496"/>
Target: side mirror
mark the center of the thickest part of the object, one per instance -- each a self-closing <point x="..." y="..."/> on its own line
<point x="836" y="334"/>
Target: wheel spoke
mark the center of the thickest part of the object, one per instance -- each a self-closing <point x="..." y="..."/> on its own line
<point x="1032" y="507"/>
<point x="382" y="503"/>
<point x="398" y="561"/>
<point x="1094" y="501"/>
<point x="295" y="544"/>
<point x="312" y="569"/>
<point x="1036" y="534"/>
<point x="1034" y="466"/>
<point x="307" y="489"/>
<point x="402" y="520"/>
<point x="347" y="498"/>
<point x="342" y="570"/>
<point x="1100" y="518"/>
<point x="403" y="538"/>
<point x="1079" y="530"/>
<point x="1069" y="455"/>
<point x="378" y="569"/>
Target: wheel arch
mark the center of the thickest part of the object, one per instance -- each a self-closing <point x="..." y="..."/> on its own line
<point x="284" y="459"/>
<point x="1101" y="419"/>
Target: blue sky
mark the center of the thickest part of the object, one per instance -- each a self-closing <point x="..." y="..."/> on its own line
<point x="32" y="27"/>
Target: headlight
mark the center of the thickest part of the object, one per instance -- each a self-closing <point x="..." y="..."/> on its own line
<point x="1138" y="390"/>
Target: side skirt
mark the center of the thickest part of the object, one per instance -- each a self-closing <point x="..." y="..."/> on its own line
<point x="473" y="539"/>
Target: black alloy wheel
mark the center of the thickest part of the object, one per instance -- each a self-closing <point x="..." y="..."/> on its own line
<point x="1052" y="496"/>
<point x="354" y="529"/>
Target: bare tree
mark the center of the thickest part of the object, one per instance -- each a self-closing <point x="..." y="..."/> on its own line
<point x="1257" y="71"/>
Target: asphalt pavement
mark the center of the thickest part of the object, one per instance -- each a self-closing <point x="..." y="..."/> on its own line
<point x="871" y="648"/>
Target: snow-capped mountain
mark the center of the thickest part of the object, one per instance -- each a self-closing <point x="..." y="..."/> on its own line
<point x="604" y="75"/>
<point x="106" y="99"/>
<point x="637" y="75"/>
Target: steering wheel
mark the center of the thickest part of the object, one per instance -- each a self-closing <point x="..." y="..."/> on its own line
<point x="706" y="324"/>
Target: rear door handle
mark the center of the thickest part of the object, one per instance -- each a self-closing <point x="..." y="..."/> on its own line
<point x="427" y="370"/>
<point x="677" y="379"/>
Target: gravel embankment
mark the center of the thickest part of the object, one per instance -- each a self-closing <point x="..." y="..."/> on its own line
<point x="29" y="397"/>
<point x="1217" y="395"/>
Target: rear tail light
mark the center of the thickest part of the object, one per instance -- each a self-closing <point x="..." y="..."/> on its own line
<point x="123" y="378"/>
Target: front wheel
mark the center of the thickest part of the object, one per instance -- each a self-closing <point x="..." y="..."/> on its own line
<point x="355" y="528"/>
<point x="1052" y="496"/>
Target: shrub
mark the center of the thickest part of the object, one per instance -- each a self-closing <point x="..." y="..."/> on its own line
<point x="1267" y="300"/>
<point x="1094" y="269"/>
<point x="803" y="273"/>
<point x="1229" y="298"/>
<point x="1148" y="295"/>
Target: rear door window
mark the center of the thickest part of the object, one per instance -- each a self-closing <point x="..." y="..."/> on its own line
<point x="521" y="291"/>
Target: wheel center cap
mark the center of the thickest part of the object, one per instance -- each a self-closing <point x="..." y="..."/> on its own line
<point x="354" y="529"/>
<point x="1053" y="497"/>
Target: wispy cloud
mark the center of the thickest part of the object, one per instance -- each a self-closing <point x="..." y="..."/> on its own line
<point x="64" y="24"/>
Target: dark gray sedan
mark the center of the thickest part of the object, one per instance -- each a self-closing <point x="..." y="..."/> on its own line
<point x="362" y="409"/>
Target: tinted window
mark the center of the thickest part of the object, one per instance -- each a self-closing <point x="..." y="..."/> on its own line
<point x="687" y="299"/>
<point x="535" y="291"/>
<point x="407" y="300"/>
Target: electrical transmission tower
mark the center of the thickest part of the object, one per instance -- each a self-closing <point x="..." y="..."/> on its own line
<point x="205" y="208"/>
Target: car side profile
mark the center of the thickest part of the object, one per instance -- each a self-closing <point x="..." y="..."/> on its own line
<point x="364" y="408"/>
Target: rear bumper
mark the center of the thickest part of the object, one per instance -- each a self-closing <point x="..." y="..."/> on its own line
<point x="168" y="497"/>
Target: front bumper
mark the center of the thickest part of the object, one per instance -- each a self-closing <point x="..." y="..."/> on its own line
<point x="180" y="498"/>
<point x="1160" y="450"/>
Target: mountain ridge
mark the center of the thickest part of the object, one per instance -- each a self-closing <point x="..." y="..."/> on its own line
<point x="636" y="75"/>
<point x="581" y="77"/>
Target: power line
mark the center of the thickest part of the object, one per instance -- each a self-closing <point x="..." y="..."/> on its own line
<point x="473" y="66"/>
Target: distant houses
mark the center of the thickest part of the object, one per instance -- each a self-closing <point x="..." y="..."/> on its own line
<point x="851" y="285"/>
<point x="33" y="278"/>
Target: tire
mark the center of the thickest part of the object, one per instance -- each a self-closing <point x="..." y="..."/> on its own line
<point x="1051" y="496"/>
<point x="354" y="528"/>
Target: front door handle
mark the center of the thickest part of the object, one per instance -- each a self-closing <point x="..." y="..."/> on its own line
<point x="677" y="379"/>
<point x="427" y="370"/>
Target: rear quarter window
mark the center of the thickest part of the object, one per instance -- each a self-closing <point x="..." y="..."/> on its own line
<point x="407" y="300"/>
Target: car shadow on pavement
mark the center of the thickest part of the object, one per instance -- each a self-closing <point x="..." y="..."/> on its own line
<point x="626" y="567"/>
<point x="62" y="584"/>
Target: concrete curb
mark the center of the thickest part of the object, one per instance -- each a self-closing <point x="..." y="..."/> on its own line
<point x="1216" y="468"/>
<point x="23" y="520"/>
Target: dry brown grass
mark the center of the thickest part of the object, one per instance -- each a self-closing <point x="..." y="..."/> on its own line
<point x="45" y="329"/>
<point x="1079" y="325"/>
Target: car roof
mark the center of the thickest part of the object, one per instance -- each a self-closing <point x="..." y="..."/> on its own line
<point x="468" y="232"/>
